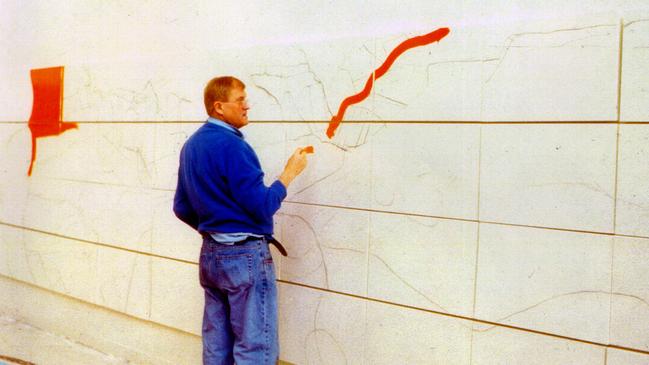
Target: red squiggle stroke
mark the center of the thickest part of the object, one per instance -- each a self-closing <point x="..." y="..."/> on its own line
<point x="418" y="41"/>
<point x="47" y="107"/>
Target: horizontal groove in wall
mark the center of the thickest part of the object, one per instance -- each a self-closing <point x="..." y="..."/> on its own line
<point x="476" y="320"/>
<point x="14" y="360"/>
<point x="450" y="315"/>
<point x="366" y="210"/>
<point x="470" y="319"/>
<point x="325" y="206"/>
<point x="111" y="310"/>
<point x="463" y="219"/>
<point x="585" y="122"/>
<point x="107" y="245"/>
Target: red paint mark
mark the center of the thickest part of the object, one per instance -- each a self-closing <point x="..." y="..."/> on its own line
<point x="308" y="149"/>
<point x="418" y="41"/>
<point x="47" y="109"/>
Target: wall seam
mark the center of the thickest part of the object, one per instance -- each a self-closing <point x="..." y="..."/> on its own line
<point x="470" y="319"/>
<point x="617" y="162"/>
<point x="111" y="310"/>
<point x="477" y="249"/>
<point x="192" y="262"/>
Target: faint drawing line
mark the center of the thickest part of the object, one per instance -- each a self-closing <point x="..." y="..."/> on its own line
<point x="317" y="330"/>
<point x="401" y="279"/>
<point x="510" y="40"/>
<point x="642" y="20"/>
<point x="559" y="296"/>
<point x="323" y="263"/>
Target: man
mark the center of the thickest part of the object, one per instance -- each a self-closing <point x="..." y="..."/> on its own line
<point x="222" y="195"/>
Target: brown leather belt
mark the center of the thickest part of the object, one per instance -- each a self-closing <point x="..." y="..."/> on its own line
<point x="271" y="240"/>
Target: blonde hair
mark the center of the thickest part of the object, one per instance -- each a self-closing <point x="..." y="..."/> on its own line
<point x="218" y="89"/>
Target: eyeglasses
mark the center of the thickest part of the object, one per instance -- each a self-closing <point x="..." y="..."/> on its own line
<point x="240" y="102"/>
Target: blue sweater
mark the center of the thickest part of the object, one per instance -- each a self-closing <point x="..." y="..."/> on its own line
<point x="220" y="184"/>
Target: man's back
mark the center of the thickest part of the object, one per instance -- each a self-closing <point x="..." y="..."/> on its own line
<point x="221" y="179"/>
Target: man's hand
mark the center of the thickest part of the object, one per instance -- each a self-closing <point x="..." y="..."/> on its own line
<point x="295" y="165"/>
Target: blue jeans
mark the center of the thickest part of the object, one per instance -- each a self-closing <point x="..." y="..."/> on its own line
<point x="240" y="317"/>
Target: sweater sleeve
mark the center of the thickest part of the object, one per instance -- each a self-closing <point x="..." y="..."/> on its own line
<point x="182" y="206"/>
<point x="246" y="182"/>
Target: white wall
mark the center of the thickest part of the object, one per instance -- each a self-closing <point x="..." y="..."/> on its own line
<point x="489" y="203"/>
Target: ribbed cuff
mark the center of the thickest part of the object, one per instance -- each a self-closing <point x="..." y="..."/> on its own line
<point x="280" y="188"/>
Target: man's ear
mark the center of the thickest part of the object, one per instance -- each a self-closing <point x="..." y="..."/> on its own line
<point x="218" y="107"/>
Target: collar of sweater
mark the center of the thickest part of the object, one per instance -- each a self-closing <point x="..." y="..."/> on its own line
<point x="225" y="125"/>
